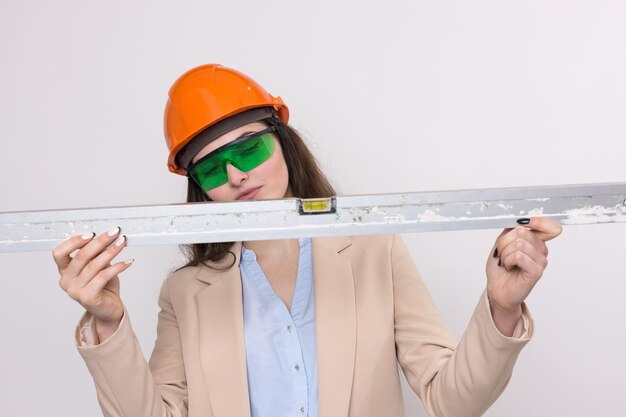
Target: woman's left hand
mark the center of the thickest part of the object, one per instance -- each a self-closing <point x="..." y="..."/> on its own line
<point x="515" y="264"/>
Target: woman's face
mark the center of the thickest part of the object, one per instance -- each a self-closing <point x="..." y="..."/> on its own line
<point x="268" y="180"/>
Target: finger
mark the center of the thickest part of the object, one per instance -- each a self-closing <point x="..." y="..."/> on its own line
<point x="90" y="251"/>
<point x="97" y="284"/>
<point x="61" y="252"/>
<point x="521" y="232"/>
<point x="89" y="295"/>
<point x="545" y="228"/>
<point x="527" y="265"/>
<point x="526" y="247"/>
<point x="495" y="250"/>
<point x="100" y="262"/>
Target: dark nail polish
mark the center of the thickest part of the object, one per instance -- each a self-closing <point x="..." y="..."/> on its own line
<point x="495" y="253"/>
<point x="523" y="221"/>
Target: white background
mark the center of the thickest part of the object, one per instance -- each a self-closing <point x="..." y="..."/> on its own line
<point x="407" y="96"/>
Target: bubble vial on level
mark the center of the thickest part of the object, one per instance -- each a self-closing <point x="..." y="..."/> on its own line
<point x="317" y="205"/>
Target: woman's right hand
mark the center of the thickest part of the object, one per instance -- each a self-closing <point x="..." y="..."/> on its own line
<point x="90" y="279"/>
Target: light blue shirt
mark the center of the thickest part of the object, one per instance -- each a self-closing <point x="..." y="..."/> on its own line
<point x="280" y="346"/>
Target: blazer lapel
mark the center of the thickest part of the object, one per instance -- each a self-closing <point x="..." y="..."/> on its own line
<point x="222" y="349"/>
<point x="335" y="321"/>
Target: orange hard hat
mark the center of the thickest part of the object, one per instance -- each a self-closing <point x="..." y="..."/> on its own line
<point x="206" y="95"/>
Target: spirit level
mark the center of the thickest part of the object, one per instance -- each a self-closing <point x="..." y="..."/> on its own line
<point x="344" y="215"/>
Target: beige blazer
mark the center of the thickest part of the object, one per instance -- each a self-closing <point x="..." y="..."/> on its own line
<point x="372" y="312"/>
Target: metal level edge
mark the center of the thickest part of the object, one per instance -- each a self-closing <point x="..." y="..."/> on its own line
<point x="427" y="197"/>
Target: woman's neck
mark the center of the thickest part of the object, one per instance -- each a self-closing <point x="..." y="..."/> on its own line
<point x="273" y="248"/>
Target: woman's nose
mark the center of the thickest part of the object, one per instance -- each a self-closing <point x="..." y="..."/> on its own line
<point x="235" y="176"/>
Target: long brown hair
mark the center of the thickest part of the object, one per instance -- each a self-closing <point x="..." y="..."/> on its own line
<point x="306" y="180"/>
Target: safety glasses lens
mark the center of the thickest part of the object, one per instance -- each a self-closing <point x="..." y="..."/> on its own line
<point x="245" y="154"/>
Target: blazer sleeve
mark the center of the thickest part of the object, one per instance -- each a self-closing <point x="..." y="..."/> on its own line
<point x="126" y="384"/>
<point x="451" y="380"/>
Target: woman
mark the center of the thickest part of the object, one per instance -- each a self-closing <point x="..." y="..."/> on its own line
<point x="301" y="327"/>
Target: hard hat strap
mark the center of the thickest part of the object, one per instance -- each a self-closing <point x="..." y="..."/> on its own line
<point x="280" y="127"/>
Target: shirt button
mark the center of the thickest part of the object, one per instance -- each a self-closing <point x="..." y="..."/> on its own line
<point x="302" y="410"/>
<point x="297" y="367"/>
<point x="289" y="328"/>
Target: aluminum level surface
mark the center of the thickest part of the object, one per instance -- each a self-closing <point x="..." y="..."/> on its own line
<point x="350" y="215"/>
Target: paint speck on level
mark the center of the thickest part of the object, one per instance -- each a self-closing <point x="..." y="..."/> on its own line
<point x="398" y="218"/>
<point x="591" y="214"/>
<point x="431" y="216"/>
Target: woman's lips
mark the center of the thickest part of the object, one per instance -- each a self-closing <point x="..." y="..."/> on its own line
<point x="249" y="195"/>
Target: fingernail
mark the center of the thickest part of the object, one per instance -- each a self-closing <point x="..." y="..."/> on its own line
<point x="523" y="221"/>
<point x="113" y="231"/>
<point x="120" y="240"/>
<point x="495" y="253"/>
<point x="88" y="236"/>
<point x="130" y="261"/>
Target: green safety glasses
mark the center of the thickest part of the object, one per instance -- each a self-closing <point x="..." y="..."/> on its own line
<point x="244" y="153"/>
